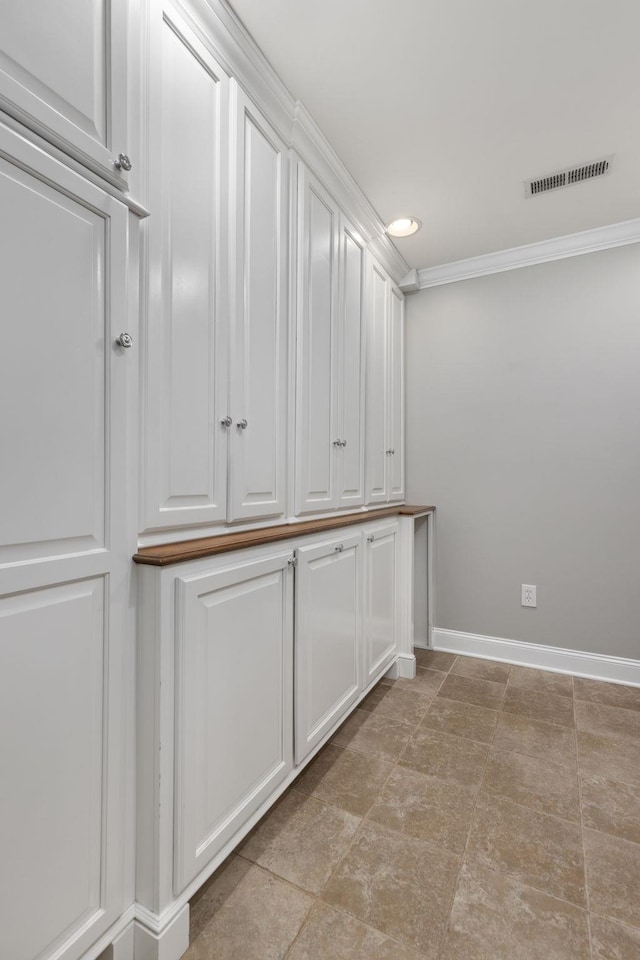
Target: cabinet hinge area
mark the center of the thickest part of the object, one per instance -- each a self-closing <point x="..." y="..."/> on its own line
<point x="293" y="561"/>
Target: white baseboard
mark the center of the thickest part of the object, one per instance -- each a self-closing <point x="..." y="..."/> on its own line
<point x="168" y="945"/>
<point x="596" y="666"/>
<point x="404" y="666"/>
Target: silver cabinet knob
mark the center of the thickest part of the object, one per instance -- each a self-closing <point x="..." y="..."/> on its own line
<point x="344" y="443"/>
<point x="242" y="424"/>
<point x="125" y="340"/>
<point x="388" y="452"/>
<point x="226" y="421"/>
<point x="370" y="539"/>
<point x="122" y="163"/>
<point x="392" y="452"/>
<point x="337" y="443"/>
<point x="340" y="548"/>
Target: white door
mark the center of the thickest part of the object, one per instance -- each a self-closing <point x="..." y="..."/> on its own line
<point x="349" y="455"/>
<point x="376" y="414"/>
<point x="396" y="396"/>
<point x="328" y="636"/>
<point x="68" y="400"/>
<point x="234" y="711"/>
<point x="63" y="72"/>
<point x="381" y="599"/>
<point x="317" y="351"/>
<point x="258" y="311"/>
<point x="186" y="376"/>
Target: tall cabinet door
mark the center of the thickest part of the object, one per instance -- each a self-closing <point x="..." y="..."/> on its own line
<point x="328" y="631"/>
<point x="186" y="387"/>
<point x="350" y="384"/>
<point x="68" y="393"/>
<point x="234" y="709"/>
<point x="377" y="383"/>
<point x="396" y="395"/>
<point x="258" y="308"/>
<point x="381" y="599"/>
<point x="316" y="425"/>
<point x="63" y="73"/>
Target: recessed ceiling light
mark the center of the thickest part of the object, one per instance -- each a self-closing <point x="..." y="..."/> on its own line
<point x="403" y="227"/>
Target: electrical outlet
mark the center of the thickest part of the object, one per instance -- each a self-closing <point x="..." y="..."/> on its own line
<point x="528" y="595"/>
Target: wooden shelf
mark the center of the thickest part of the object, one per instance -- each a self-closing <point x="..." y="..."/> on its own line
<point x="164" y="554"/>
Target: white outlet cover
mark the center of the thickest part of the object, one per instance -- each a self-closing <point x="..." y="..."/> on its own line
<point x="528" y="595"/>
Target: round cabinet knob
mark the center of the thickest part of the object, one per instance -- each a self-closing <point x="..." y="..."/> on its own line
<point x="344" y="443"/>
<point x="242" y="424"/>
<point x="337" y="443"/>
<point x="340" y="548"/>
<point x="125" y="340"/>
<point x="122" y="163"/>
<point x="226" y="421"/>
<point x="370" y="539"/>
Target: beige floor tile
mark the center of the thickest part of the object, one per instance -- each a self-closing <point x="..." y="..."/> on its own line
<point x="374" y="734"/>
<point x="425" y="684"/>
<point x="614" y="757"/>
<point x="613" y="876"/>
<point x="330" y="934"/>
<point x="399" y="885"/>
<point x="301" y="840"/>
<point x="539" y="706"/>
<point x="345" y="778"/>
<point x="612" y="694"/>
<point x="611" y="807"/>
<point x="541" y="681"/>
<point x="607" y="721"/>
<point x="258" y="920"/>
<point x="212" y="894"/>
<point x="540" y="784"/>
<point x="537" y="849"/>
<point x="497" y="918"/>
<point x="613" y="941"/>
<point x="434" y="659"/>
<point x="535" y="738"/>
<point x="461" y="719"/>
<point x="481" y="669"/>
<point x="426" y="808"/>
<point x="441" y="755"/>
<point x="393" y="701"/>
<point x="483" y="693"/>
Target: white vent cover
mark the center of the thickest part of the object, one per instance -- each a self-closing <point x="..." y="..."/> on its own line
<point x="567" y="177"/>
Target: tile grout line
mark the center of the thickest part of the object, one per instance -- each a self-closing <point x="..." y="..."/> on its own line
<point x="584" y="849"/>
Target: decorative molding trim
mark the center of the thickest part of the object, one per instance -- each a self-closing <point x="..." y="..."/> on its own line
<point x="596" y="666"/>
<point x="558" y="248"/>
<point x="167" y="944"/>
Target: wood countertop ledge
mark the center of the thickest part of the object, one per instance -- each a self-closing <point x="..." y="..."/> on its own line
<point x="164" y="554"/>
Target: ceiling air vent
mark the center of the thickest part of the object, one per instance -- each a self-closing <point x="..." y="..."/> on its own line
<point x="567" y="177"/>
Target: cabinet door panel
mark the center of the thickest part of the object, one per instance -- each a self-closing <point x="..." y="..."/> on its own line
<point x="376" y="377"/>
<point x="317" y="296"/>
<point x="396" y="395"/>
<point x="381" y="628"/>
<point x="259" y="312"/>
<point x="350" y="458"/>
<point x="63" y="72"/>
<point x="327" y="637"/>
<point x="65" y="555"/>
<point x="234" y="708"/>
<point x="186" y="367"/>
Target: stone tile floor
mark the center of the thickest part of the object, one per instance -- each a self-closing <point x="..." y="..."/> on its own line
<point x="478" y="812"/>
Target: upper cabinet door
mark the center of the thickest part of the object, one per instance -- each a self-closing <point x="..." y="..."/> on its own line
<point x="396" y="395"/>
<point x="316" y="426"/>
<point x="186" y="385"/>
<point x="377" y="383"/>
<point x="350" y="384"/>
<point x="258" y="311"/>
<point x="63" y="73"/>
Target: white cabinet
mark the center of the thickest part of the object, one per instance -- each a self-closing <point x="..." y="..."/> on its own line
<point x="328" y="635"/>
<point x="63" y="73"/>
<point x="380" y="643"/>
<point x="385" y="388"/>
<point x="234" y="711"/>
<point x="215" y="405"/>
<point x="329" y="456"/>
<point x="68" y="392"/>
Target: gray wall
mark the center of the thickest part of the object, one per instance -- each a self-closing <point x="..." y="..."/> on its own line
<point x="523" y="428"/>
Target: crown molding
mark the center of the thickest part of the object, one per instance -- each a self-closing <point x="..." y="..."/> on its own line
<point x="558" y="248"/>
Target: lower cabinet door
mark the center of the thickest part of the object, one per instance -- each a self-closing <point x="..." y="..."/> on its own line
<point x="328" y="636"/>
<point x="381" y="599"/>
<point x="234" y="711"/>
